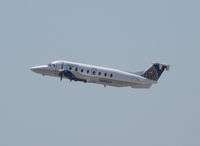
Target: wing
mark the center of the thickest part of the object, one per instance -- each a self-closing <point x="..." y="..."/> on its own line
<point x="77" y="76"/>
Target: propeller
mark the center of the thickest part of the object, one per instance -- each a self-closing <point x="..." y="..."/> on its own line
<point x="61" y="72"/>
<point x="61" y="76"/>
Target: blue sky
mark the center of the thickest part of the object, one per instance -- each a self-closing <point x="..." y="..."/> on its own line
<point x="127" y="35"/>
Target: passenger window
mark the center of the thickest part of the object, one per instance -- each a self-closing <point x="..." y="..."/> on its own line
<point x="88" y="71"/>
<point x="105" y="74"/>
<point x="76" y="69"/>
<point x="99" y="73"/>
<point x="111" y="75"/>
<point x="70" y="68"/>
<point x="81" y="70"/>
<point x="94" y="72"/>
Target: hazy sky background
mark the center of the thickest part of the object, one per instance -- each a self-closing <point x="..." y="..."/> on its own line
<point x="128" y="35"/>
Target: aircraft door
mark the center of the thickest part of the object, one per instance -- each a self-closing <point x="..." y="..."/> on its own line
<point x="59" y="66"/>
<point x="55" y="66"/>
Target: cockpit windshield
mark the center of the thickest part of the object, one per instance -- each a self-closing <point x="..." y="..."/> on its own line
<point x="51" y="65"/>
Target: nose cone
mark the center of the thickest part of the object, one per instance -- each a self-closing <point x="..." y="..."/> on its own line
<point x="34" y="69"/>
<point x="39" y="69"/>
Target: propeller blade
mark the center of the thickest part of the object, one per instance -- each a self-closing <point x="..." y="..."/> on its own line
<point x="61" y="76"/>
<point x="62" y="66"/>
<point x="61" y="72"/>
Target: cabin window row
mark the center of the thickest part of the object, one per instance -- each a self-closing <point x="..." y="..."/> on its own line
<point x="105" y="74"/>
<point x="94" y="72"/>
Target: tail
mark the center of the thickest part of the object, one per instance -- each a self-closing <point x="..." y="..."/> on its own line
<point x="155" y="71"/>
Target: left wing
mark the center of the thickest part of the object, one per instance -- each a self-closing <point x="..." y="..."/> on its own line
<point x="78" y="75"/>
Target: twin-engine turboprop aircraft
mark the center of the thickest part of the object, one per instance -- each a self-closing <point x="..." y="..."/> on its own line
<point x="102" y="75"/>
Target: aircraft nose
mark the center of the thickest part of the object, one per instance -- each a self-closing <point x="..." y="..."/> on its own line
<point x="38" y="69"/>
<point x="35" y="69"/>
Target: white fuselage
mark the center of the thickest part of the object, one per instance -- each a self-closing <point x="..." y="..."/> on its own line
<point x="93" y="74"/>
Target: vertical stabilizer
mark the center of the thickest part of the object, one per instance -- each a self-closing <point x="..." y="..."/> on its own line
<point x="155" y="71"/>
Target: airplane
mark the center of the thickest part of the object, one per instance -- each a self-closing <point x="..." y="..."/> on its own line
<point x="102" y="75"/>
